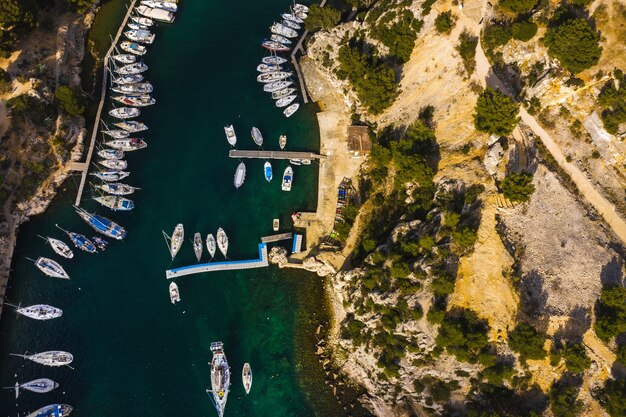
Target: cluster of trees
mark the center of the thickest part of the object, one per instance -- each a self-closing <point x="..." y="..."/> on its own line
<point x="612" y="100"/>
<point x="613" y="397"/>
<point x="322" y="18"/>
<point x="527" y="341"/>
<point x="611" y="313"/>
<point x="518" y="6"/>
<point x="518" y="187"/>
<point x="467" y="51"/>
<point x="444" y="22"/>
<point x="398" y="32"/>
<point x="464" y="335"/>
<point x="496" y="113"/>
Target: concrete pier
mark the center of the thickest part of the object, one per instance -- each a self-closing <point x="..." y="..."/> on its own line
<point x="276" y="238"/>
<point x="235" y="153"/>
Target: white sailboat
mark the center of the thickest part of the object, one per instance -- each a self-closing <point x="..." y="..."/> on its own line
<point x="176" y="240"/>
<point x="40" y="386"/>
<point x="51" y="268"/>
<point x="220" y="378"/>
<point x="59" y="247"/>
<point x="38" y="311"/>
<point x="197" y="245"/>
<point x="52" y="410"/>
<point x="222" y="241"/>
<point x="49" y="358"/>
<point x="211" y="245"/>
<point x="282" y="141"/>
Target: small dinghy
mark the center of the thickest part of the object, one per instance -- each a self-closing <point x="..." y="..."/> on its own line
<point x="174" y="293"/>
<point x="282" y="141"/>
<point x="280" y="39"/>
<point x="268" y="68"/>
<point x="131" y="126"/>
<point x="240" y="175"/>
<point x="197" y="245"/>
<point x="116" y="202"/>
<point x="282" y="102"/>
<point x="138" y="88"/>
<point x="53" y="410"/>
<point x="133" y="48"/>
<point x="282" y="93"/>
<point x="222" y="241"/>
<point x="132" y="69"/>
<point x="257" y="136"/>
<point x="297" y="162"/>
<point x="279" y="85"/>
<point x="117" y="188"/>
<point x="80" y="241"/>
<point x="276" y="224"/>
<point x="246" y="377"/>
<point x="49" y="358"/>
<point x="176" y="240"/>
<point x="128" y="79"/>
<point x="127" y="145"/>
<point x="287" y="179"/>
<point x="125" y="58"/>
<point x="275" y="46"/>
<point x="40" y="386"/>
<point x="125" y="112"/>
<point x="272" y="77"/>
<point x="111" y="176"/>
<point x="144" y="21"/>
<point x="100" y="242"/>
<point x="115" y="164"/>
<point x="136" y="101"/>
<point x="210" y="245"/>
<point x="59" y="247"/>
<point x="116" y="133"/>
<point x="51" y="268"/>
<point x="38" y="311"/>
<point x="305" y="161"/>
<point x="291" y="109"/>
<point x="110" y="154"/>
<point x="267" y="170"/>
<point x="231" y="137"/>
<point x="273" y="60"/>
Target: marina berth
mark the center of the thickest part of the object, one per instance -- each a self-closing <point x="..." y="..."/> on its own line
<point x="197" y="245"/>
<point x="271" y="77"/>
<point x="59" y="247"/>
<point x="240" y="175"/>
<point x="131" y="126"/>
<point x="49" y="358"/>
<point x="116" y="133"/>
<point x="291" y="109"/>
<point x="279" y="85"/>
<point x="287" y="179"/>
<point x="38" y="311"/>
<point x="231" y="137"/>
<point x="140" y="35"/>
<point x="131" y="69"/>
<point x="282" y="93"/>
<point x="143" y="21"/>
<point x="220" y="378"/>
<point x="111" y="175"/>
<point x="127" y="145"/>
<point x="115" y="202"/>
<point x="110" y="154"/>
<point x="53" y="410"/>
<point x="116" y="164"/>
<point x="39" y="386"/>
<point x="116" y="188"/>
<point x="174" y="293"/>
<point x="128" y="79"/>
<point x="136" y="101"/>
<point x="163" y="5"/>
<point x="273" y="60"/>
<point x="125" y="58"/>
<point x="139" y="88"/>
<point x="156" y="14"/>
<point x="280" y="39"/>
<point x="282" y="30"/>
<point x="133" y="48"/>
<point x="125" y="112"/>
<point x="256" y="135"/>
<point x="275" y="46"/>
<point x="51" y="268"/>
<point x="101" y="224"/>
<point x="282" y="102"/>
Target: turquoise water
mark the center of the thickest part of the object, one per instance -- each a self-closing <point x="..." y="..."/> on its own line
<point x="135" y="353"/>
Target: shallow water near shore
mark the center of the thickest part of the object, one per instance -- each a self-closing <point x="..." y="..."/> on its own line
<point x="134" y="352"/>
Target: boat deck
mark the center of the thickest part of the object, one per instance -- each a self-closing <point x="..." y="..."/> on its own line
<point x="236" y="153"/>
<point x="221" y="266"/>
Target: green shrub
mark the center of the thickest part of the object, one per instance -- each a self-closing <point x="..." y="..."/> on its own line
<point x="70" y="100"/>
<point x="400" y="270"/>
<point x="427" y="6"/>
<point x="495" y="113"/>
<point x="613" y="397"/>
<point x="524" y="31"/>
<point x="621" y="354"/>
<point x="398" y="36"/>
<point x="322" y="18"/>
<point x="444" y="22"/>
<point x="611" y="313"/>
<point x="353" y="330"/>
<point x="563" y="402"/>
<point x="612" y="99"/>
<point x="465" y="238"/>
<point x="496" y="35"/>
<point x="463" y="334"/>
<point x="20" y="104"/>
<point x="518" y="6"/>
<point x="576" y="359"/>
<point x="527" y="341"/>
<point x="467" y="51"/>
<point x="518" y="187"/>
<point x="574" y="43"/>
<point x="498" y="373"/>
<point x="443" y="285"/>
<point x="82" y="6"/>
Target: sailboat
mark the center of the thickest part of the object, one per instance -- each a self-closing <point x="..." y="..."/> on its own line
<point x="38" y="311"/>
<point x="101" y="224"/>
<point x="40" y="386"/>
<point x="125" y="58"/>
<point x="197" y="245"/>
<point x="131" y="126"/>
<point x="246" y="377"/>
<point x="282" y="141"/>
<point x="49" y="358"/>
<point x="111" y="175"/>
<point x="210" y="245"/>
<point x="127" y="144"/>
<point x="114" y="164"/>
<point x="128" y="79"/>
<point x="116" y="202"/>
<point x="230" y="135"/>
<point x="130" y="69"/>
<point x="51" y="268"/>
<point x="53" y="410"/>
<point x="80" y="241"/>
<point x="287" y="179"/>
<point x="276" y="95"/>
<point x="117" y="133"/>
<point x="125" y="112"/>
<point x="59" y="247"/>
<point x="174" y="293"/>
<point x="111" y="153"/>
<point x="275" y="86"/>
<point x="220" y="378"/>
<point x="273" y="60"/>
<point x="290" y="24"/>
<point x="117" y="188"/>
<point x="291" y="109"/>
<point x="240" y="175"/>
<point x="222" y="241"/>
<point x="257" y="136"/>
<point x="267" y="169"/>
<point x="176" y="241"/>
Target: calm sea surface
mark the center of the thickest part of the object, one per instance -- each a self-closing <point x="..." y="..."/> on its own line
<point x="135" y="353"/>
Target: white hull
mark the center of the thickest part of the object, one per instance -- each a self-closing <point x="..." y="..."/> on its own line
<point x="222" y="241"/>
<point x="240" y="175"/>
<point x="220" y="378"/>
<point x="174" y="293"/>
<point x="287" y="179"/>
<point x="211" y="245"/>
<point x="40" y="312"/>
<point x="257" y="136"/>
<point x="60" y="248"/>
<point x="197" y="246"/>
<point x="246" y="377"/>
<point x="231" y="137"/>
<point x="51" y="268"/>
<point x="177" y="239"/>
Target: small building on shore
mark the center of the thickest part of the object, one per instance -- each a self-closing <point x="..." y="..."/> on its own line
<point x="359" y="141"/>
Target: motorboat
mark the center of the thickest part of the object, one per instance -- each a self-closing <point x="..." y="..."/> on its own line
<point x="139" y="88"/>
<point x="136" y="26"/>
<point x="280" y="39"/>
<point x="291" y="17"/>
<point x="80" y="241"/>
<point x="297" y="162"/>
<point x="257" y="136"/>
<point x="271" y="87"/>
<point x="268" y="68"/>
<point x="163" y="5"/>
<point x="49" y="358"/>
<point x="59" y="247"/>
<point x="156" y="14"/>
<point x="282" y="102"/>
<point x="111" y="175"/>
<point x="125" y="58"/>
<point x="275" y="46"/>
<point x="51" y="268"/>
<point x="116" y="133"/>
<point x="110" y="154"/>
<point x="240" y="175"/>
<point x="222" y="241"/>
<point x="131" y="126"/>
<point x="128" y="79"/>
<point x="131" y="69"/>
<point x="38" y="311"/>
<point x="246" y="377"/>
<point x="116" y="202"/>
<point x="300" y="8"/>
<point x="136" y="101"/>
<point x="174" y="293"/>
<point x="117" y="188"/>
<point x="231" y="137"/>
<point x="282" y="93"/>
<point x="40" y="386"/>
<point x="267" y="170"/>
<point x="100" y="242"/>
<point x="210" y="245"/>
<point x="176" y="241"/>
<point x="133" y="48"/>
<point x="101" y="224"/>
<point x="127" y="145"/>
<point x="52" y="410"/>
<point x="291" y="24"/>
<point x="291" y="109"/>
<point x="143" y="21"/>
<point x="125" y="112"/>
<point x="276" y="225"/>
<point x="282" y="141"/>
<point x="271" y="77"/>
<point x="116" y="164"/>
<point x="197" y="245"/>
<point x="282" y="30"/>
<point x="140" y="35"/>
<point x="220" y="378"/>
<point x="273" y="60"/>
<point x="287" y="179"/>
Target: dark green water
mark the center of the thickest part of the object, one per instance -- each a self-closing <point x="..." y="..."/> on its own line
<point x="135" y="353"/>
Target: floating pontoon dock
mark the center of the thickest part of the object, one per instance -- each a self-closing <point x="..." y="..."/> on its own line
<point x="276" y="238"/>
<point x="235" y="153"/>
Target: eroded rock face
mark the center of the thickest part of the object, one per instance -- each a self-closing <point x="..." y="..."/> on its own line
<point x="278" y="256"/>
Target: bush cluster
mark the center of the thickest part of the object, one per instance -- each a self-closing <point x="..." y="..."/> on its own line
<point x="613" y="397"/>
<point x="574" y="43"/>
<point x="527" y="341"/>
<point x="611" y="313"/>
<point x="612" y="99"/>
<point x="398" y="36"/>
<point x="467" y="50"/>
<point x="518" y="6"/>
<point x="444" y="22"/>
<point x="464" y="335"/>
<point x="524" y="31"/>
<point x="70" y="100"/>
<point x="496" y="113"/>
<point x="322" y="18"/>
<point x="518" y="187"/>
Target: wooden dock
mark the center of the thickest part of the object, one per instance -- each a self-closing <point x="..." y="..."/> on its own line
<point x="276" y="238"/>
<point x="235" y="153"/>
<point x="261" y="262"/>
<point x="84" y="168"/>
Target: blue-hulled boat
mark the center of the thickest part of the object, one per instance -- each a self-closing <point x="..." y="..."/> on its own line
<point x="53" y="410"/>
<point x="101" y="224"/>
<point x="80" y="241"/>
<point x="267" y="169"/>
